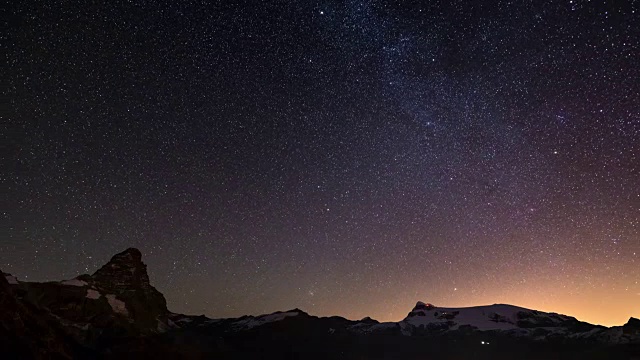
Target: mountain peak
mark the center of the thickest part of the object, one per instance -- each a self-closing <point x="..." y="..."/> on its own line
<point x="368" y="320"/>
<point x="296" y="310"/>
<point x="421" y="306"/>
<point x="632" y="327"/>
<point x="131" y="251"/>
<point x="125" y="270"/>
<point x="131" y="254"/>
<point x="127" y="263"/>
<point x="125" y="276"/>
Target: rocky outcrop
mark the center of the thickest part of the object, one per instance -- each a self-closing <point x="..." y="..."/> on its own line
<point x="27" y="332"/>
<point x="117" y="301"/>
<point x="369" y="321"/>
<point x="632" y="327"/>
<point x="125" y="283"/>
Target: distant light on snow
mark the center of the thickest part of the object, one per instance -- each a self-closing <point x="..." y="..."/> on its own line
<point x="74" y="282"/>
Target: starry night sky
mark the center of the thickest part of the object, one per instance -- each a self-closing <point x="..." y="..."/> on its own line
<point x="346" y="158"/>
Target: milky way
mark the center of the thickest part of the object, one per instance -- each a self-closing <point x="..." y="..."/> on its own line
<point x="343" y="158"/>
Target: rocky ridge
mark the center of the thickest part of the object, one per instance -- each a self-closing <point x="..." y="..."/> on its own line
<point x="116" y="301"/>
<point x="116" y="310"/>
<point x="28" y="332"/>
<point x="511" y="320"/>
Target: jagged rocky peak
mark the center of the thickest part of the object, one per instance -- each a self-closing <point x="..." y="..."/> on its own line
<point x="632" y="327"/>
<point x="125" y="276"/>
<point x="124" y="271"/>
<point x="129" y="260"/>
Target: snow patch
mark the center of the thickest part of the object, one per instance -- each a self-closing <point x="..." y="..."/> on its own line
<point x="252" y="322"/>
<point x="11" y="279"/>
<point x="84" y="327"/>
<point x="384" y="326"/>
<point x="74" y="282"/>
<point x="117" y="305"/>
<point x="368" y="327"/>
<point x="93" y="294"/>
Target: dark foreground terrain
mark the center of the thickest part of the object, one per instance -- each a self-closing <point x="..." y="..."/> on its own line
<point x="115" y="313"/>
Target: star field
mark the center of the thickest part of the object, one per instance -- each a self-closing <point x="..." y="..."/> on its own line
<point x="345" y="158"/>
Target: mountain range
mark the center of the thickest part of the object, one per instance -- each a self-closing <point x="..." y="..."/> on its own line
<point x="117" y="313"/>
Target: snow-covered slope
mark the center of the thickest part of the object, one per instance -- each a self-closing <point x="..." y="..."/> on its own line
<point x="250" y="322"/>
<point x="489" y="317"/>
<point x="426" y="319"/>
